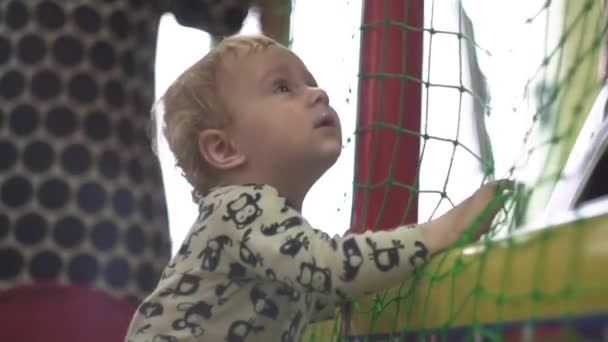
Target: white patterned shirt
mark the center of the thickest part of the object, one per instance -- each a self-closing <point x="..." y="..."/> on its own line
<point x="253" y="269"/>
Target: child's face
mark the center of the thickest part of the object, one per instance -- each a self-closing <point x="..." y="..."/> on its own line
<point x="282" y="121"/>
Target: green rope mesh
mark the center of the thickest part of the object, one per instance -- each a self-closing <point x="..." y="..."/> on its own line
<point x="512" y="275"/>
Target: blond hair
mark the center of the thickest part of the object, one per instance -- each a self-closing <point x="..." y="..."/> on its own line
<point x="193" y="103"/>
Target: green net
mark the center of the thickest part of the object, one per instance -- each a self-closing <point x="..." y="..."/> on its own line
<point x="506" y="87"/>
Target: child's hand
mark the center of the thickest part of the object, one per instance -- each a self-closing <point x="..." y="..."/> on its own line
<point x="476" y="212"/>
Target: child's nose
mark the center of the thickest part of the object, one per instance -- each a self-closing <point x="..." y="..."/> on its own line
<point x="319" y="95"/>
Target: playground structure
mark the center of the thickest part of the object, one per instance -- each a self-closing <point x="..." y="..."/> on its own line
<point x="87" y="228"/>
<point x="541" y="276"/>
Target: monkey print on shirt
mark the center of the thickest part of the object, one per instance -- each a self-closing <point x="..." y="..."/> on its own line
<point x="253" y="269"/>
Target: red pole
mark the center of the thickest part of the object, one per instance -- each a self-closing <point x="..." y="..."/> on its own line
<point x="389" y="93"/>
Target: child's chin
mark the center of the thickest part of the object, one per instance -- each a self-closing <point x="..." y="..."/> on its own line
<point x="331" y="147"/>
<point x="330" y="154"/>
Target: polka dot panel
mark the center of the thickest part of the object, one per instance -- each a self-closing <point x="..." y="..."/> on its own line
<point x="76" y="159"/>
<point x="12" y="84"/>
<point x="16" y="15"/>
<point x="80" y="200"/>
<point x="87" y="19"/>
<point x="69" y="232"/>
<point x="16" y="191"/>
<point x="4" y="226"/>
<point x="45" y="265"/>
<point x="12" y="263"/>
<point x="38" y="156"/>
<point x="46" y="84"/>
<point x="54" y="193"/>
<point x="30" y="229"/>
<point x="50" y="15"/>
<point x="61" y="121"/>
<point x="5" y="49"/>
<point x="68" y="51"/>
<point x="8" y="155"/>
<point x="23" y="119"/>
<point x="117" y="273"/>
<point x="31" y="49"/>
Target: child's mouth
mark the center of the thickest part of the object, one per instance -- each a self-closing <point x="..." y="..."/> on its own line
<point x="326" y="120"/>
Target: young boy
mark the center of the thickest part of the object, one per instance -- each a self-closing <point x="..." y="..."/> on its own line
<point x="252" y="132"/>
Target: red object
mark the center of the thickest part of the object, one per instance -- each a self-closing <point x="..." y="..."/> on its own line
<point x="383" y="154"/>
<point x="56" y="313"/>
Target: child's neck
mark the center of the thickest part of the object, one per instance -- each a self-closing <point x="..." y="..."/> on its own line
<point x="294" y="195"/>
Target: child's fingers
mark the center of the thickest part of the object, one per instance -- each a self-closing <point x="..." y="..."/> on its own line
<point x="502" y="185"/>
<point x="506" y="185"/>
<point x="501" y="191"/>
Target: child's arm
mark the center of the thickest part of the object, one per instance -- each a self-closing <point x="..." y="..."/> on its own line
<point x="291" y="251"/>
<point x="443" y="231"/>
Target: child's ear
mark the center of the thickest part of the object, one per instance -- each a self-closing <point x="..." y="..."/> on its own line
<point x="218" y="150"/>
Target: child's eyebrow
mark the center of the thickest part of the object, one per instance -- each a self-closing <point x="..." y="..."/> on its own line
<point x="279" y="69"/>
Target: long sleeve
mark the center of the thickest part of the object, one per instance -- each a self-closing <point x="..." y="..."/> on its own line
<point x="276" y="242"/>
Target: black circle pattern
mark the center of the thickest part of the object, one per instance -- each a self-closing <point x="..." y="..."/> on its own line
<point x="54" y="193"/>
<point x="68" y="51"/>
<point x="50" y="15"/>
<point x="135" y="171"/>
<point x="38" y="156"/>
<point x="75" y="84"/>
<point x="123" y="202"/>
<point x="87" y="19"/>
<point x="46" y="84"/>
<point x="146" y="277"/>
<point x="83" y="269"/>
<point x="117" y="273"/>
<point x="102" y="55"/>
<point x="12" y="263"/>
<point x="24" y="119"/>
<point x="16" y="191"/>
<point x="114" y="93"/>
<point x="16" y="15"/>
<point x="8" y="155"/>
<point x="83" y="88"/>
<point x="30" y="229"/>
<point x="119" y="24"/>
<point x="31" y="49"/>
<point x="97" y="126"/>
<point x="109" y="164"/>
<point x="4" y="226"/>
<point x="61" y="121"/>
<point x="12" y="84"/>
<point x="104" y="235"/>
<point x="5" y="50"/>
<point x="136" y="239"/>
<point x="69" y="232"/>
<point x="76" y="159"/>
<point x="91" y="197"/>
<point x="45" y="265"/>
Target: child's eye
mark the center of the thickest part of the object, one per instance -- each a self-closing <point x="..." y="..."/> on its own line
<point x="281" y="87"/>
